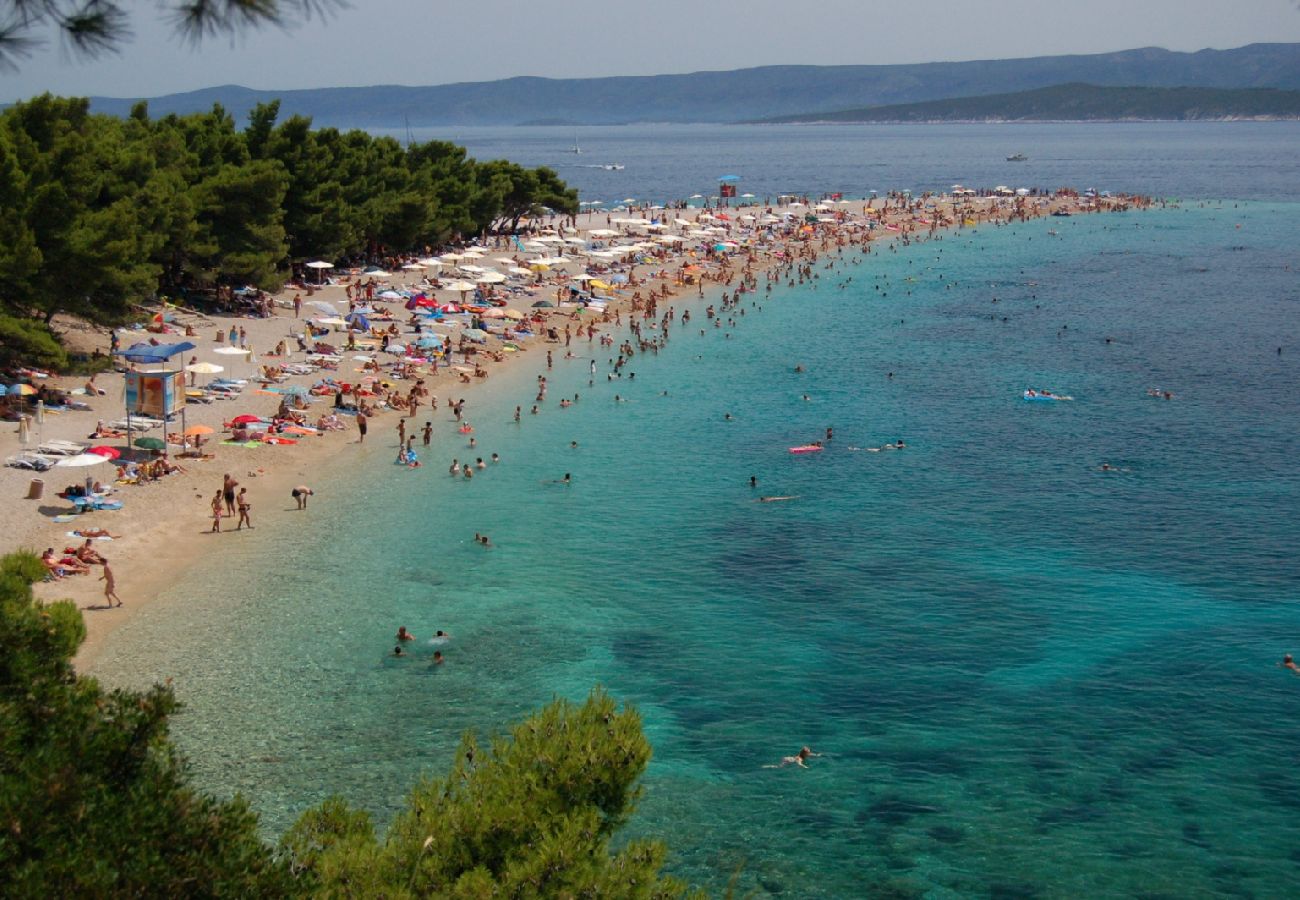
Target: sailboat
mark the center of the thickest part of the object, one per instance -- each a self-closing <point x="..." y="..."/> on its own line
<point x="576" y="148"/>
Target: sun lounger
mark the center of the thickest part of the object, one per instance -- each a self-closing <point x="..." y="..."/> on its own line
<point x="138" y="423"/>
<point x="61" y="448"/>
<point x="33" y="462"/>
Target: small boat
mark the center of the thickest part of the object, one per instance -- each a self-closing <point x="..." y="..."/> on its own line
<point x="1019" y="157"/>
<point x="807" y="448"/>
<point x="1052" y="232"/>
<point x="612" y="167"/>
<point x="1034" y="395"/>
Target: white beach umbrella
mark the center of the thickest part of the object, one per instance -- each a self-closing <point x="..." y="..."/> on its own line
<point x="490" y="278"/>
<point x="516" y="270"/>
<point x="477" y="270"/>
<point x="205" y="368"/>
<point x="80" y="460"/>
<point x="461" y="286"/>
<point x="413" y="267"/>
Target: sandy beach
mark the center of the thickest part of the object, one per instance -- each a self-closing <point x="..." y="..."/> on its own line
<point x="164" y="525"/>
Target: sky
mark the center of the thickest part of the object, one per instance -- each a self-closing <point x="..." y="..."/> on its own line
<point x="423" y="42"/>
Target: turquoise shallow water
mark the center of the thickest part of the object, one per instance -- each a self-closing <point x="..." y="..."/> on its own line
<point x="1028" y="677"/>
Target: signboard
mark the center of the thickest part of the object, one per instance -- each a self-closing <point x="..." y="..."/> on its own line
<point x="157" y="394"/>
<point x="726" y="190"/>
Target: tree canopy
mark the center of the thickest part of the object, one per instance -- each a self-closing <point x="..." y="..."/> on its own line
<point x="96" y="801"/>
<point x="94" y="27"/>
<point x="98" y="212"/>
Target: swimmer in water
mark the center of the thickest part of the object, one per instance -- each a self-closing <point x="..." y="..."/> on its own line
<point x="798" y="759"/>
<point x="753" y="481"/>
<point x="397" y="651"/>
<point x="776" y="499"/>
<point x="1289" y="663"/>
<point x="437" y="658"/>
<point x="404" y="635"/>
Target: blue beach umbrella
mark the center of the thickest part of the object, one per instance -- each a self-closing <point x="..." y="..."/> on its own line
<point x="728" y="177"/>
<point x="358" y="320"/>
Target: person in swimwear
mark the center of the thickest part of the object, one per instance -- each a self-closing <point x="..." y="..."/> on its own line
<point x="798" y="759"/>
<point x="403" y="634"/>
<point x="1289" y="663"/>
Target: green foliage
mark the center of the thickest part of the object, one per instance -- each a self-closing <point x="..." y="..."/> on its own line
<point x="95" y="27"/>
<point x="95" y="801"/>
<point x="28" y="342"/>
<point x="97" y="213"/>
<point x="531" y="816"/>
<point x="93" y="798"/>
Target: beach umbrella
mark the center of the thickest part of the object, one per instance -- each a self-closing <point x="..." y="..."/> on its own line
<point x="196" y="430"/>
<point x="232" y="351"/>
<point x="104" y="451"/>
<point x="728" y="177"/>
<point x="320" y="266"/>
<point x="86" y="459"/>
<point x="513" y="314"/>
<point x="413" y="267"/>
<point x="324" y="307"/>
<point x="389" y="295"/>
<point x="543" y="304"/>
<point x="205" y="368"/>
<point x="475" y="334"/>
<point x="245" y="419"/>
<point x="151" y="443"/>
<point x="357" y="320"/>
<point x="22" y="390"/>
<point x="518" y="270"/>
<point x="330" y="320"/>
<point x="491" y="278"/>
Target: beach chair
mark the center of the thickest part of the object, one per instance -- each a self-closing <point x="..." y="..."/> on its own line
<point x="32" y="462"/>
<point x="60" y="448"/>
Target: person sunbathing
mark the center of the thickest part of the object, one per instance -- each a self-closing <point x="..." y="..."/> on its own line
<point x="88" y="554"/>
<point x="95" y="533"/>
<point x="67" y="565"/>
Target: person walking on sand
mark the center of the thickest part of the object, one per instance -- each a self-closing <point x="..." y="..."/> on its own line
<point x="110" y="586"/>
<point x="228" y="485"/>
<point x="361" y="427"/>
<point x="216" y="512"/>
<point x="244" y="507"/>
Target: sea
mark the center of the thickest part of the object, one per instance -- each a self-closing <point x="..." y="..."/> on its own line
<point x="1026" y="676"/>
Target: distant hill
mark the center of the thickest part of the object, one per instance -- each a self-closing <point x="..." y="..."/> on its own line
<point x="1080" y="103"/>
<point x="743" y="94"/>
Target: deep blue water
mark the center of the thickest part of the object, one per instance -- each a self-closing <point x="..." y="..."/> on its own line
<point x="1238" y="160"/>
<point x="1028" y="677"/>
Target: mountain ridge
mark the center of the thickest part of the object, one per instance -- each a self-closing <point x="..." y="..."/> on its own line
<point x="738" y="94"/>
<point x="1075" y="103"/>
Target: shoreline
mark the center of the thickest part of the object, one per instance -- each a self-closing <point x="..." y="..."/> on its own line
<point x="165" y="524"/>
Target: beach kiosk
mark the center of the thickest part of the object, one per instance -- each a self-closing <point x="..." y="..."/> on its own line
<point x="155" y="393"/>
<point x="726" y="188"/>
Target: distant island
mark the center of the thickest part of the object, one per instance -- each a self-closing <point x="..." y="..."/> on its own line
<point x="1077" y="103"/>
<point x="739" y="95"/>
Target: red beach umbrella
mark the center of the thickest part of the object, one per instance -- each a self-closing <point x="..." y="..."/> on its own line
<point x="107" y="452"/>
<point x="244" y="419"/>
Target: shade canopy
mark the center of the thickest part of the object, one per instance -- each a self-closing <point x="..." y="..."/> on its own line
<point x="145" y="352"/>
<point x="205" y="368"/>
